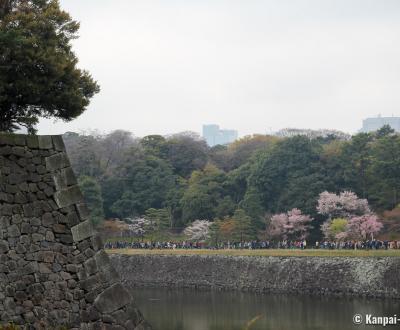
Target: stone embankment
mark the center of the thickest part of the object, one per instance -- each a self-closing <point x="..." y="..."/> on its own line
<point x="54" y="272"/>
<point x="366" y="276"/>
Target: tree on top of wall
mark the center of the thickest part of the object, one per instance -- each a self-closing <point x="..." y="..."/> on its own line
<point x="38" y="69"/>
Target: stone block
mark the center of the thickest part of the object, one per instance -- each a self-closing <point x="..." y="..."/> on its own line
<point x="102" y="259"/>
<point x="46" y="256"/>
<point x="57" y="162"/>
<point x="82" y="231"/>
<point x="72" y="219"/>
<point x="16" y="219"/>
<point x="25" y="228"/>
<point x="9" y="304"/>
<point x="6" y="139"/>
<point x="37" y="237"/>
<point x="44" y="268"/>
<point x="45" y="142"/>
<point x="90" y="283"/>
<point x="4" y="221"/>
<point x="90" y="266"/>
<point x="4" y="246"/>
<point x="112" y="299"/>
<point x="68" y="196"/>
<point x="19" y="140"/>
<point x="64" y="178"/>
<point x="60" y="228"/>
<point x="97" y="243"/>
<point x="83" y="211"/>
<point x="18" y="151"/>
<point x="50" y="236"/>
<point x="58" y="143"/>
<point x="13" y="231"/>
<point x="66" y="239"/>
<point x="48" y="219"/>
<point x="32" y="141"/>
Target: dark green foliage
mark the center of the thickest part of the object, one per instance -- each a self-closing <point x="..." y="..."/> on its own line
<point x="160" y="219"/>
<point x="154" y="145"/>
<point x="384" y="172"/>
<point x="92" y="193"/>
<point x="204" y="193"/>
<point x="146" y="183"/>
<point x="186" y="154"/>
<point x="356" y="158"/>
<point x="288" y="176"/>
<point x="244" y="228"/>
<point x="38" y="69"/>
<point x="225" y="207"/>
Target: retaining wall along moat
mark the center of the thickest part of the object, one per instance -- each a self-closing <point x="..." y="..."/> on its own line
<point x="366" y="276"/>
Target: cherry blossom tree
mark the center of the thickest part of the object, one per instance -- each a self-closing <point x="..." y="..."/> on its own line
<point x="139" y="226"/>
<point x="199" y="230"/>
<point x="345" y="205"/>
<point x="363" y="226"/>
<point x="290" y="225"/>
<point x="353" y="205"/>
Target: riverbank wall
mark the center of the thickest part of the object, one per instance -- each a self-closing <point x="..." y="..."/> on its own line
<point x="377" y="277"/>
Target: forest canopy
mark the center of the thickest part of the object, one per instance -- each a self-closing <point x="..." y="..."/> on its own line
<point x="256" y="176"/>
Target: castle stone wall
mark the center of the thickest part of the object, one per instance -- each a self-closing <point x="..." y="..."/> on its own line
<point x="54" y="273"/>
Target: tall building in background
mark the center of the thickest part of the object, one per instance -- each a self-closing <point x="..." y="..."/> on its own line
<point x="373" y="124"/>
<point x="214" y="135"/>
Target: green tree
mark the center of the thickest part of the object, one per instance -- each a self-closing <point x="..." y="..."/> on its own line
<point x="282" y="177"/>
<point x="225" y="207"/>
<point x="173" y="201"/>
<point x="253" y="206"/>
<point x="242" y="150"/>
<point x="186" y="154"/>
<point x="85" y="154"/>
<point x="146" y="182"/>
<point x="384" y="172"/>
<point x="92" y="194"/>
<point x="356" y="159"/>
<point x="244" y="229"/>
<point x="338" y="226"/>
<point x="160" y="219"/>
<point x="204" y="193"/>
<point x="215" y="232"/>
<point x="154" y="145"/>
<point x="38" y="69"/>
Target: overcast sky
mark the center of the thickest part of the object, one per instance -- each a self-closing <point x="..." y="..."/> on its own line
<point x="172" y="65"/>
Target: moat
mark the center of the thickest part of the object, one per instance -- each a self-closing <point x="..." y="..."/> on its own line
<point x="211" y="310"/>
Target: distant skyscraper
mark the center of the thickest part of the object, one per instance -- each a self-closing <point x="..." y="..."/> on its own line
<point x="373" y="124"/>
<point x="214" y="135"/>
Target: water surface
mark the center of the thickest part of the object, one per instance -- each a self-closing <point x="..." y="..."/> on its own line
<point x="207" y="310"/>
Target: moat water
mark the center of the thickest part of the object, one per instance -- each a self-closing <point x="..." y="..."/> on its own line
<point x="206" y="310"/>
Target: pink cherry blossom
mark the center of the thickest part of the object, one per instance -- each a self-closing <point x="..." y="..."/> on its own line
<point x="292" y="224"/>
<point x="346" y="204"/>
<point x="363" y="226"/>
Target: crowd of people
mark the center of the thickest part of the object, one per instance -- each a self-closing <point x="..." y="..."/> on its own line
<point x="253" y="245"/>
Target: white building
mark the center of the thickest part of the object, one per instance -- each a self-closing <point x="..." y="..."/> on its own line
<point x="374" y="124"/>
<point x="214" y="135"/>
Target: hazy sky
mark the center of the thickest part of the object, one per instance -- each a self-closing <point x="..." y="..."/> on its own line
<point x="172" y="65"/>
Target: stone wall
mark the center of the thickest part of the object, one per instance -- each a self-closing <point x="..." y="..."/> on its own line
<point x="372" y="277"/>
<point x="53" y="271"/>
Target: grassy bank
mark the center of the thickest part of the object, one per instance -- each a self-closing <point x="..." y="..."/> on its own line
<point x="265" y="253"/>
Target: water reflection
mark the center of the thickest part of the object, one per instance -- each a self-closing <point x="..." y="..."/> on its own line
<point x="203" y="310"/>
